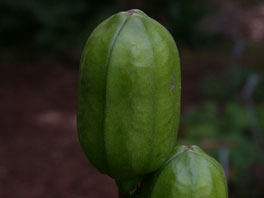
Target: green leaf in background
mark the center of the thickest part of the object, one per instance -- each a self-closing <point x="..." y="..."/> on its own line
<point x="230" y="121"/>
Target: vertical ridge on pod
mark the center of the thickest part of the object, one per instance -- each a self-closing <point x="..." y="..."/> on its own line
<point x="112" y="44"/>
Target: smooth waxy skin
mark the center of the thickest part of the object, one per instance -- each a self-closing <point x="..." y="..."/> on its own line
<point x="128" y="95"/>
<point x="189" y="173"/>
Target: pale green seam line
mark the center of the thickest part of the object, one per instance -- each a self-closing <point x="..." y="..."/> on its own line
<point x="107" y="68"/>
<point x="154" y="96"/>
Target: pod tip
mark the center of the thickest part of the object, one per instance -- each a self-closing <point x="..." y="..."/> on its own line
<point x="188" y="148"/>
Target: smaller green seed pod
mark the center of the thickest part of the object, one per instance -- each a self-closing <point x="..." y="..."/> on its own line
<point x="189" y="173"/>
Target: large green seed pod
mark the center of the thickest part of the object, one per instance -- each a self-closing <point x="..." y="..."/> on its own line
<point x="189" y="173"/>
<point x="128" y="95"/>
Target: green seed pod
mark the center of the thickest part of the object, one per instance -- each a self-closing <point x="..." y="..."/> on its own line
<point x="128" y="95"/>
<point x="189" y="173"/>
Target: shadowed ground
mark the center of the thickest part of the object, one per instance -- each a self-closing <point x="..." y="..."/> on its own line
<point x="39" y="150"/>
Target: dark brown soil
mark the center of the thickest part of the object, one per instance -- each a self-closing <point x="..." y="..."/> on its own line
<point x="39" y="151"/>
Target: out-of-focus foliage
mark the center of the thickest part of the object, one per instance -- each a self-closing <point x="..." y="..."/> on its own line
<point x="56" y="24"/>
<point x="225" y="86"/>
<point x="65" y="24"/>
<point x="227" y="118"/>
<point x="260" y="116"/>
<point x="186" y="18"/>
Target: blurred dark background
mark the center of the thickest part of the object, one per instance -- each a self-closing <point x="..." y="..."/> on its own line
<point x="221" y="49"/>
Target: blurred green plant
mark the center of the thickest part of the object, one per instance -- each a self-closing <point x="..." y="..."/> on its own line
<point x="224" y="86"/>
<point x="186" y="19"/>
<point x="56" y="25"/>
<point x="64" y="25"/>
<point x="227" y="119"/>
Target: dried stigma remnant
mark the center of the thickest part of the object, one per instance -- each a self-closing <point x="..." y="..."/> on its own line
<point x="188" y="148"/>
<point x="131" y="12"/>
